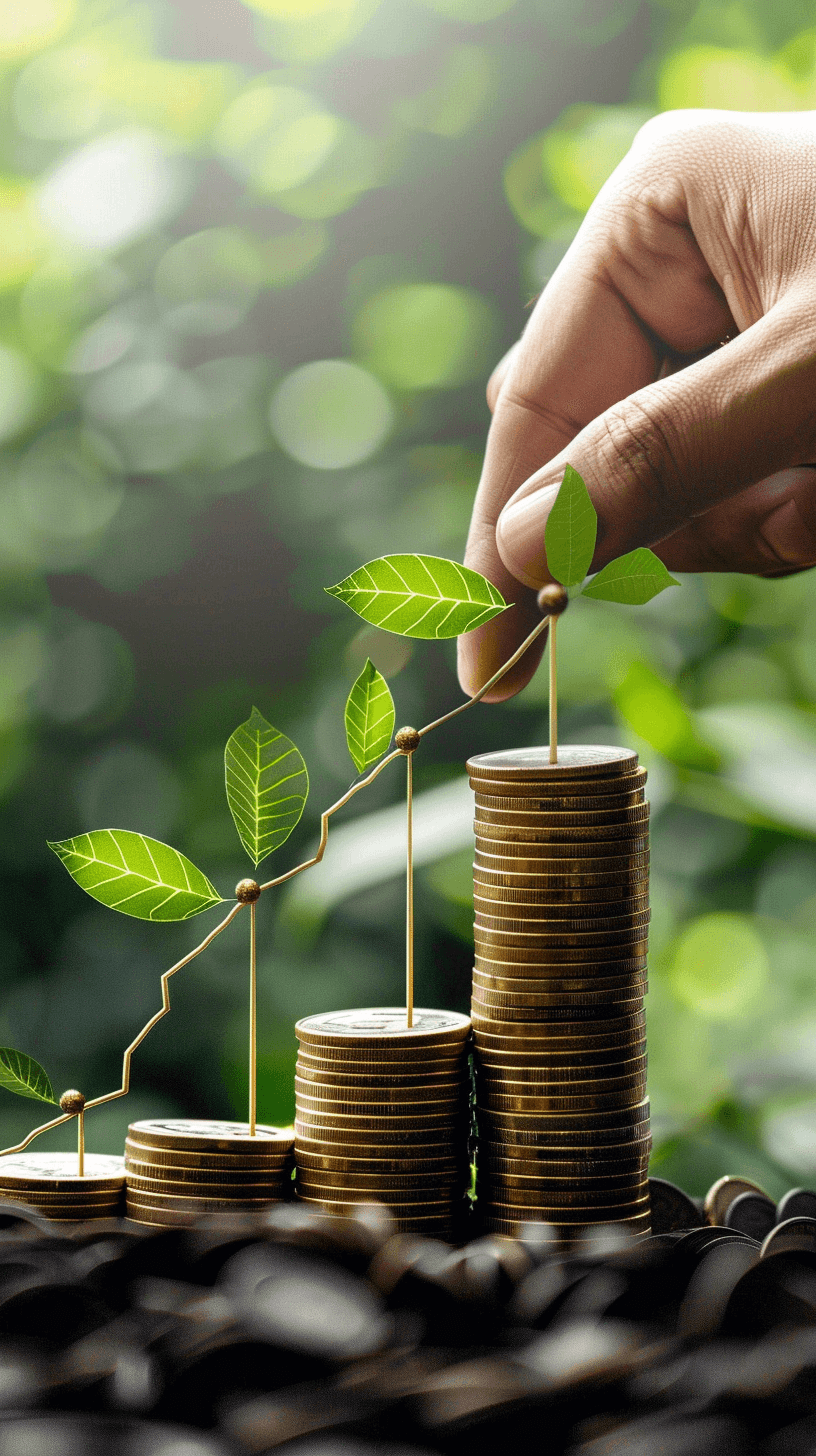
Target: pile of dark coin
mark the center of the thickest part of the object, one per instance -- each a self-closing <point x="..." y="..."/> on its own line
<point x="338" y="1336"/>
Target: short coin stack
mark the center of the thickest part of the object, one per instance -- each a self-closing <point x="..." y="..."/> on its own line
<point x="382" y="1114"/>
<point x="181" y="1167"/>
<point x="561" y="882"/>
<point x="50" y="1182"/>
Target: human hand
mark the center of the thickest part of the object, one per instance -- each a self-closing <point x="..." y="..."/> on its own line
<point x="706" y="231"/>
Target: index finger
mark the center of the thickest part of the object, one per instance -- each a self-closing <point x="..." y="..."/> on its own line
<point x="633" y="287"/>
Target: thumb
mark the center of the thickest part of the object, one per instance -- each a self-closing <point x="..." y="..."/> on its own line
<point x="669" y="452"/>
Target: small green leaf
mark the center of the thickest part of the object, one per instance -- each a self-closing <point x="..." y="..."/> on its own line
<point x="136" y="875"/>
<point x="632" y="579"/>
<point x="21" y="1074"/>
<point x="570" y="532"/>
<point x="420" y="596"/>
<point x="369" y="717"/>
<point x="267" y="785"/>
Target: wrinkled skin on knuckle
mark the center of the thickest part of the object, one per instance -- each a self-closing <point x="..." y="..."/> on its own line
<point x="639" y="461"/>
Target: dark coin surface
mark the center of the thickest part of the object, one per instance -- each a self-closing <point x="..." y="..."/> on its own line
<point x="751" y="1213"/>
<point x="795" y="1235"/>
<point x="796" y="1203"/>
<point x="672" y="1209"/>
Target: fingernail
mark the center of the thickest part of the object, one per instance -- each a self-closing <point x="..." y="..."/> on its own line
<point x="520" y="536"/>
<point x="788" y="535"/>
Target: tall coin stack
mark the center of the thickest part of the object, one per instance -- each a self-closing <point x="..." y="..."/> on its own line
<point x="561" y="886"/>
<point x="182" y="1167"/>
<point x="51" y="1183"/>
<point x="382" y="1115"/>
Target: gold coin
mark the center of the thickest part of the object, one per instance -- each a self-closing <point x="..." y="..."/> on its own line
<point x="531" y="1104"/>
<point x="558" y="1132"/>
<point x="401" y="1114"/>
<point x="328" y="1177"/>
<point x="490" y="1183"/>
<point x="182" y="1188"/>
<point x="382" y="1027"/>
<point x="587" y="1213"/>
<point x="583" y="1027"/>
<point x="508" y="1084"/>
<point x="614" y="961"/>
<point x="383" y="1193"/>
<point x="560" y="1173"/>
<point x="591" y="1061"/>
<point x="449" y="1166"/>
<point x="563" y="903"/>
<point x="58" y="1173"/>
<point x="560" y="889"/>
<point x="531" y="933"/>
<point x="197" y="1135"/>
<point x="493" y="948"/>
<point x="340" y="1205"/>
<point x="326" y="1135"/>
<point x="544" y="1019"/>
<point x="584" y="760"/>
<point x="493" y="1065"/>
<point x="564" y="1164"/>
<point x="399" y="1059"/>
<point x="522" y="920"/>
<point x="325" y="1116"/>
<point x="572" y="849"/>
<point x="176" y="1203"/>
<point x="491" y="996"/>
<point x="447" y="1094"/>
<point x="452" y="1076"/>
<point x="216" y="1162"/>
<point x="608" y="796"/>
<point x="622" y="1117"/>
<point x="721" y="1195"/>
<point x="546" y="823"/>
<point x="207" y="1177"/>
<point x="601" y="839"/>
<point x="40" y="1198"/>
<point x="554" y="985"/>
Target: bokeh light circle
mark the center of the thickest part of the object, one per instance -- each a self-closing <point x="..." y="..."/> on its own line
<point x="425" y="336"/>
<point x="330" y="414"/>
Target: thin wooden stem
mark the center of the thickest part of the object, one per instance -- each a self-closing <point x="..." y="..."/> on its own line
<point x="253" y="1023"/>
<point x="81" y="1142"/>
<point x="126" y="1060"/>
<point x="553" y="696"/>
<point x="409" y="898"/>
<point x="491" y="682"/>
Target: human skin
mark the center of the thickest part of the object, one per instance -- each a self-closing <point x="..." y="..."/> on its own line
<point x="706" y="232"/>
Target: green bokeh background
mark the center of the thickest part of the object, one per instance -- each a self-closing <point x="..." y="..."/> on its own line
<point x="257" y="261"/>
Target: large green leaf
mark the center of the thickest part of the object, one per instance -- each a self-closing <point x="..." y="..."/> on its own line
<point x="632" y="579"/>
<point x="267" y="785"/>
<point x="369" y="717"/>
<point x="21" y="1074"/>
<point x="570" y="532"/>
<point x="420" y="596"/>
<point x="137" y="875"/>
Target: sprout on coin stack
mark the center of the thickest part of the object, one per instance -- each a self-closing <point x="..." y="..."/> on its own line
<point x="62" y="1186"/>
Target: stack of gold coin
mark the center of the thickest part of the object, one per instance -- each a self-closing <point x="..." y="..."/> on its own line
<point x="561" y="899"/>
<point x="381" y="1114"/>
<point x="182" y="1167"/>
<point x="51" y="1183"/>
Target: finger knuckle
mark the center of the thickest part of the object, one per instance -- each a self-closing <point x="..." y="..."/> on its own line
<point x="641" y="459"/>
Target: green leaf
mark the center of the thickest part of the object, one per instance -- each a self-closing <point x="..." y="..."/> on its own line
<point x="570" y="532"/>
<point x="632" y="579"/>
<point x="369" y="717"/>
<point x="21" y="1074"/>
<point x="137" y="875"/>
<point x="267" y="785"/>
<point x="420" y="596"/>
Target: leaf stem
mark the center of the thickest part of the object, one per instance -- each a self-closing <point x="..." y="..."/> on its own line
<point x="81" y="1143"/>
<point x="553" y="695"/>
<point x="253" y="1022"/>
<point x="165" y="1007"/>
<point x="409" y="898"/>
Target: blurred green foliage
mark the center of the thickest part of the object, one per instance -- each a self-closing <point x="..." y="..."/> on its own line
<point x="257" y="261"/>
